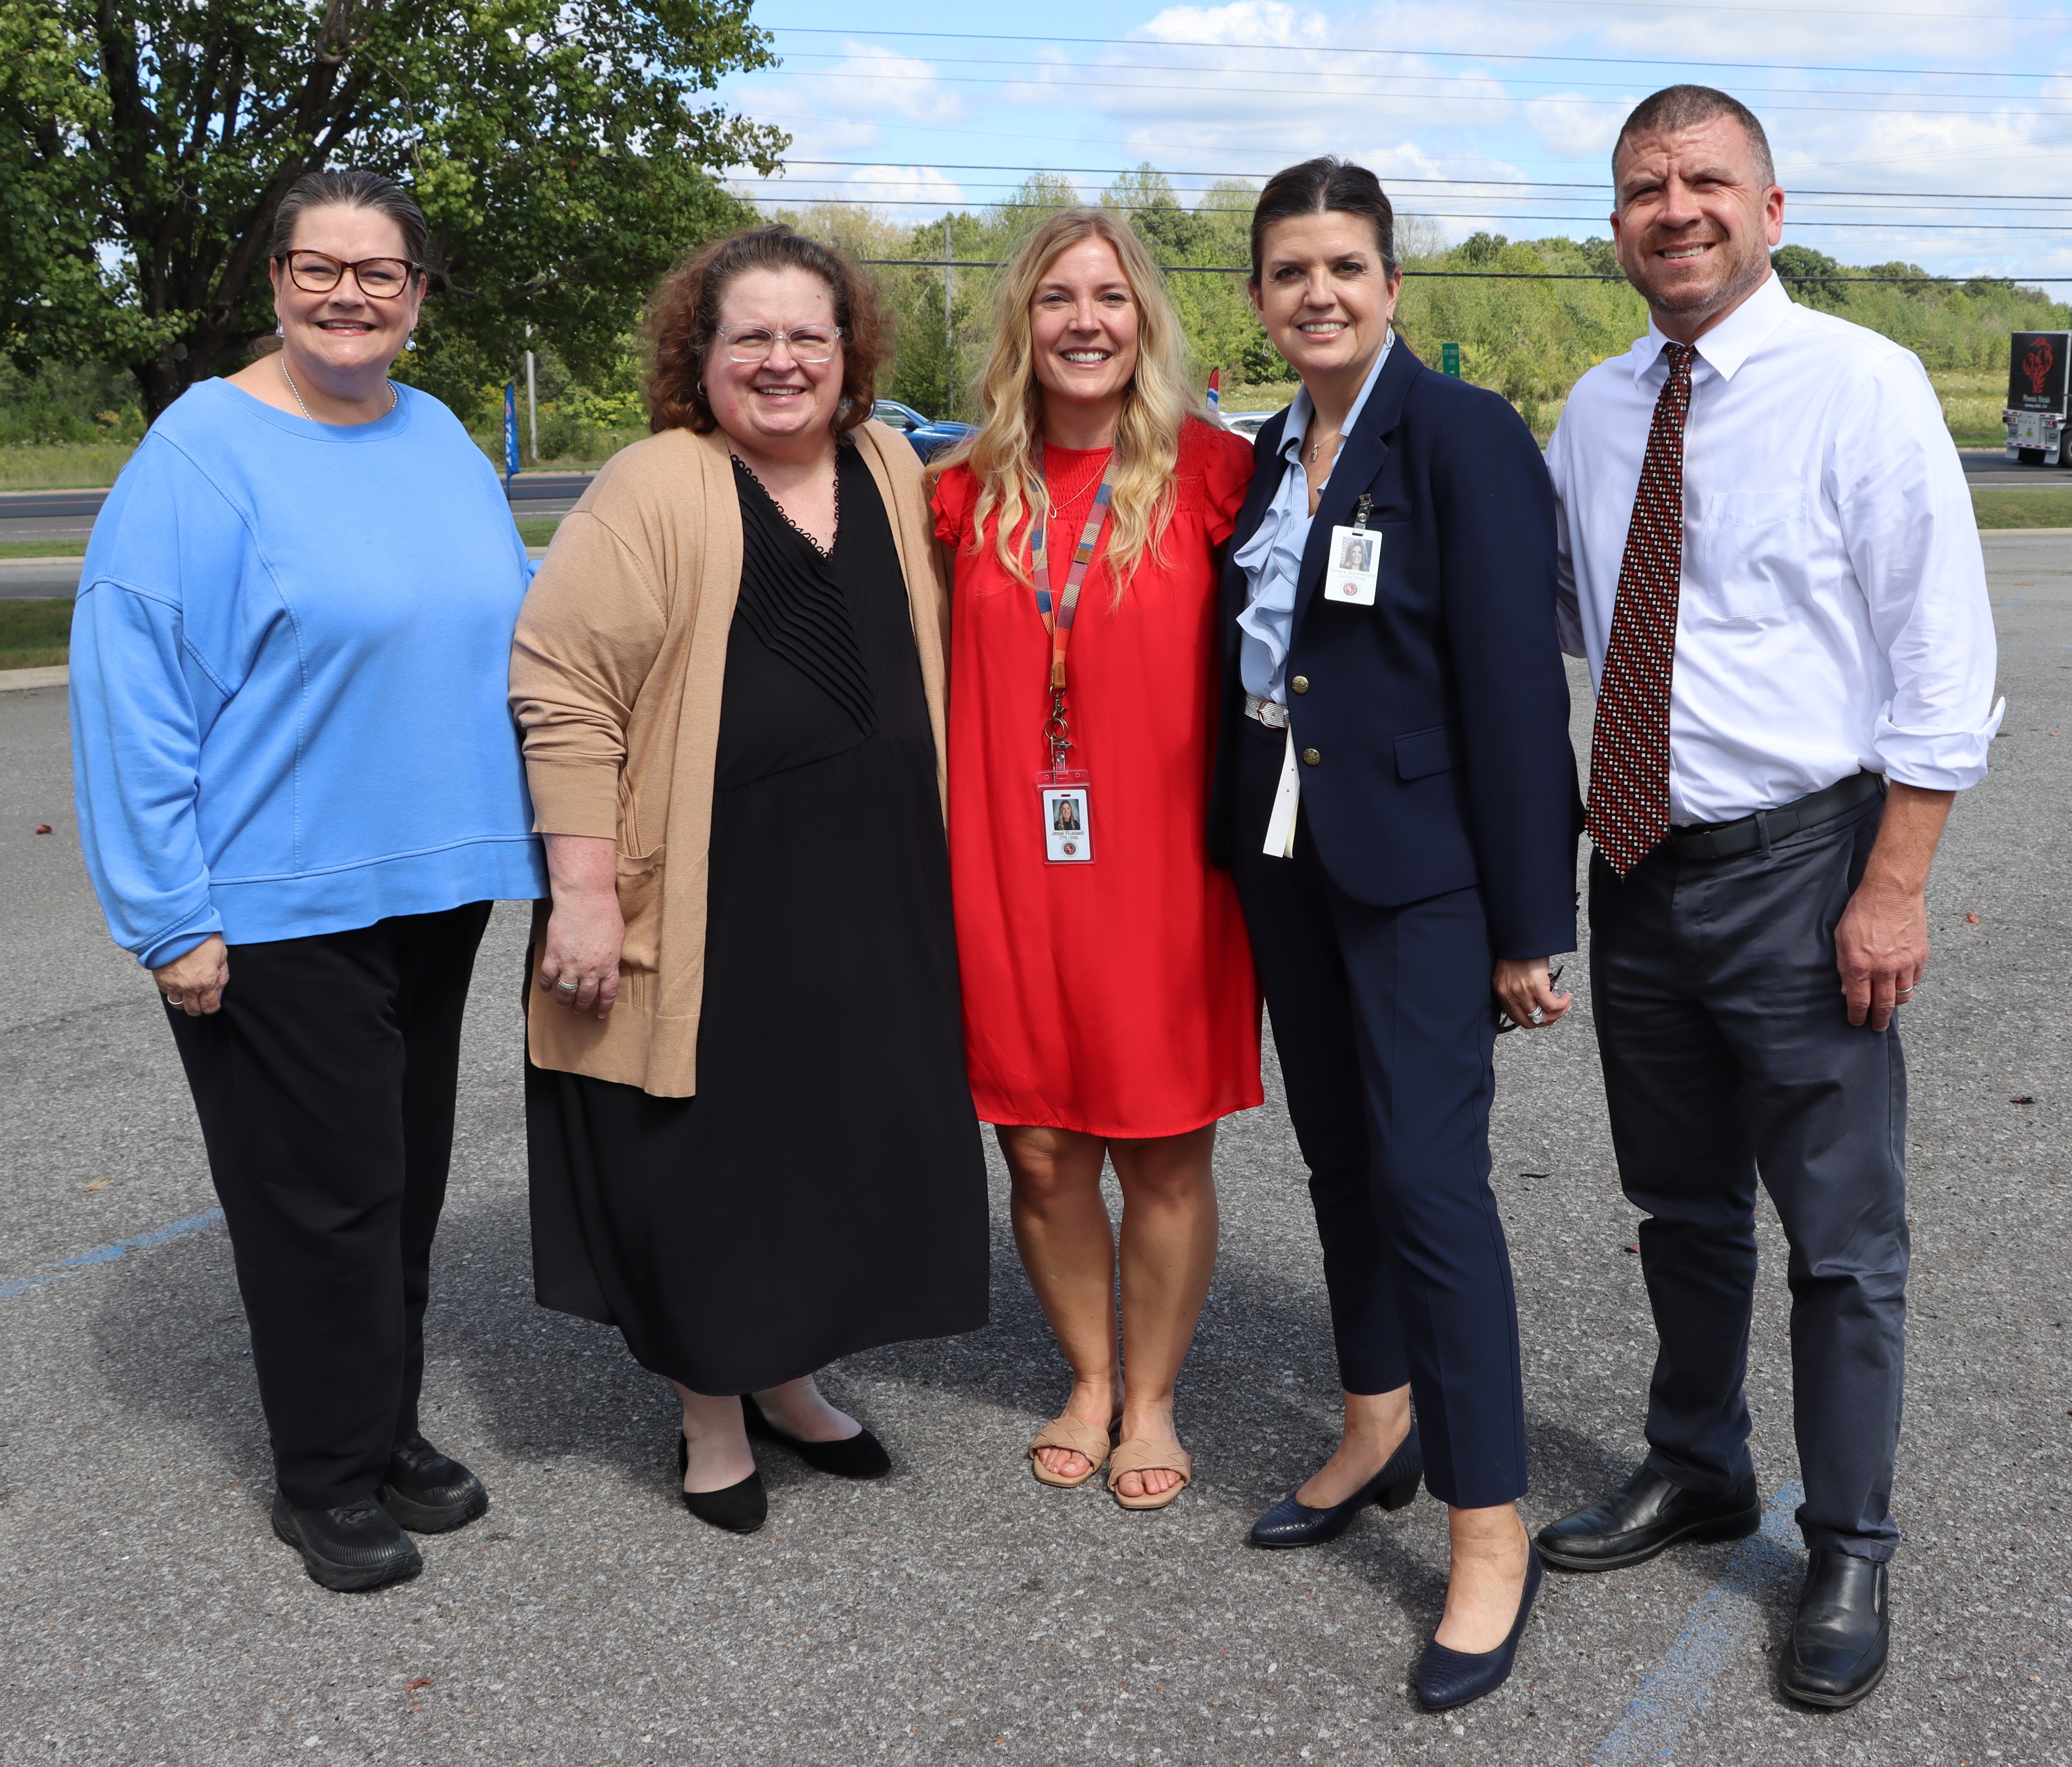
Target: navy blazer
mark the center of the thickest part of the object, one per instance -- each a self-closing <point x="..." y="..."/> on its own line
<point x="1439" y="717"/>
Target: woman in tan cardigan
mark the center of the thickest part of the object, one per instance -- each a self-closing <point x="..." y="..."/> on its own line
<point x="753" y="1147"/>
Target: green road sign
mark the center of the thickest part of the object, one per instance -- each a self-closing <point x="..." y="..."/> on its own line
<point x="1450" y="359"/>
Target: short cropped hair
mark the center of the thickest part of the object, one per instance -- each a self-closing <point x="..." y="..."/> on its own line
<point x="683" y="318"/>
<point x="1675" y="108"/>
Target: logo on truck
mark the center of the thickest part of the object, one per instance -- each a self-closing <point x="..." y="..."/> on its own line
<point x="2037" y="363"/>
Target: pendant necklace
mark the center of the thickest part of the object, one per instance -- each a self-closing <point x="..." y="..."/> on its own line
<point x="393" y="395"/>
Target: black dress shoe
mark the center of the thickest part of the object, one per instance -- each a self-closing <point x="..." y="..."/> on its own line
<point x="860" y="1456"/>
<point x="356" y="1546"/>
<point x="1649" y="1515"/>
<point x="429" y="1494"/>
<point x="1447" y="1678"/>
<point x="1843" y="1635"/>
<point x="739" y="1508"/>
<point x="1290" y="1523"/>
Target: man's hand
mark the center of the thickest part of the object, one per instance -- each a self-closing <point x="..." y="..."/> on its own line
<point x="196" y="983"/>
<point x="1527" y="991"/>
<point x="1881" y="940"/>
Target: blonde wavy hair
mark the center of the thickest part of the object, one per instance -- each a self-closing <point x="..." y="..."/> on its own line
<point x="1159" y="400"/>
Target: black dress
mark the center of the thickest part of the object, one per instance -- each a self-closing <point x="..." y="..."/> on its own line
<point x="825" y="1192"/>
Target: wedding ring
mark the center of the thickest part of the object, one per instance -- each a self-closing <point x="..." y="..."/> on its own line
<point x="564" y="987"/>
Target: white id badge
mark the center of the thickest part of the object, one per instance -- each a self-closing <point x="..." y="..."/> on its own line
<point x="1355" y="566"/>
<point x="1068" y="828"/>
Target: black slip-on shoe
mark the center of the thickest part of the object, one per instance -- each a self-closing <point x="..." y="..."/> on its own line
<point x="1290" y="1523"/>
<point x="428" y="1493"/>
<point x="739" y="1508"/>
<point x="355" y="1546"/>
<point x="1842" y="1635"/>
<point x="1648" y="1517"/>
<point x="1447" y="1678"/>
<point x="860" y="1456"/>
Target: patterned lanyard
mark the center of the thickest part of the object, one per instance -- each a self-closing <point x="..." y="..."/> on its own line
<point x="1057" y="727"/>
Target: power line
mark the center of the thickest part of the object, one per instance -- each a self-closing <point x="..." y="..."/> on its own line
<point x="1444" y="54"/>
<point x="1460" y="276"/>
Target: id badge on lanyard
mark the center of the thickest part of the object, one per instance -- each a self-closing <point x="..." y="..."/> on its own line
<point x="1065" y="792"/>
<point x="1353" y="567"/>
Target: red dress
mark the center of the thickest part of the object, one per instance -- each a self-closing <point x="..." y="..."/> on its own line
<point x="1117" y="998"/>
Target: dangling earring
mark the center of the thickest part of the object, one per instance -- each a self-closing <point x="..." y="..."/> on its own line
<point x="280" y="331"/>
<point x="410" y="342"/>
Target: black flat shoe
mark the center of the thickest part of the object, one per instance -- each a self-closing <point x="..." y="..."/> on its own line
<point x="860" y="1456"/>
<point x="1648" y="1517"/>
<point x="429" y="1494"/>
<point x="739" y="1508"/>
<point x="1290" y="1523"/>
<point x="1843" y="1635"/>
<point x="1447" y="1678"/>
<point x="356" y="1546"/>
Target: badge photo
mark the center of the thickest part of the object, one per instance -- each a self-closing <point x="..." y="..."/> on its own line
<point x="1068" y="836"/>
<point x="1354" y="567"/>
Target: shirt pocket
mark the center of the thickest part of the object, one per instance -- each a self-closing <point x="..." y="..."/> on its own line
<point x="1746" y="555"/>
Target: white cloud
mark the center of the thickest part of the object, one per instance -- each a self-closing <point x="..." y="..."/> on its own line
<point x="904" y="184"/>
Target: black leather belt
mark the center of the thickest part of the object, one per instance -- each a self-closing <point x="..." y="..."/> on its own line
<point x="1727" y="840"/>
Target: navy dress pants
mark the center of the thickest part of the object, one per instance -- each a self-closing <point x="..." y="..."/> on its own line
<point x="325" y="1087"/>
<point x="1385" y="1025"/>
<point x="1727" y="1052"/>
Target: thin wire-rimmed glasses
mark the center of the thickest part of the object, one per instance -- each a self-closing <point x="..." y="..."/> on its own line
<point x="814" y="343"/>
<point x="319" y="273"/>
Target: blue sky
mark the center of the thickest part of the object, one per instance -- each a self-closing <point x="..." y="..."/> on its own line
<point x="1937" y="133"/>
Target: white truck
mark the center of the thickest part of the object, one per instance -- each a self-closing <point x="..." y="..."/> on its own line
<point x="2037" y="422"/>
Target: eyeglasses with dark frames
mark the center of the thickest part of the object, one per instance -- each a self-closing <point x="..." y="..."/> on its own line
<point x="319" y="273"/>
<point x="812" y="343"/>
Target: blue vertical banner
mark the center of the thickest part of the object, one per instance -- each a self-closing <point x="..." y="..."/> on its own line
<point x="510" y="431"/>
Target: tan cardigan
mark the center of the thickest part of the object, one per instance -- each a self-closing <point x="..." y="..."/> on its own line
<point x="615" y="678"/>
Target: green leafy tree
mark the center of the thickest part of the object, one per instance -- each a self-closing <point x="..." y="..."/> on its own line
<point x="557" y="146"/>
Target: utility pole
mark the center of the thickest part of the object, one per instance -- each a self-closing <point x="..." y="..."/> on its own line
<point x="532" y="397"/>
<point x="949" y="357"/>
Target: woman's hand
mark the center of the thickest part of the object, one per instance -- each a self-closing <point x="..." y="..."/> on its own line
<point x="1526" y="991"/>
<point x="196" y="983"/>
<point x="580" y="966"/>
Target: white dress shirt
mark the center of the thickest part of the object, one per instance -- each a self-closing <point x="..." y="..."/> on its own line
<point x="1833" y="614"/>
<point x="1271" y="560"/>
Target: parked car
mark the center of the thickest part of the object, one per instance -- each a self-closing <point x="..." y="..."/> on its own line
<point x="1246" y="424"/>
<point x="929" y="436"/>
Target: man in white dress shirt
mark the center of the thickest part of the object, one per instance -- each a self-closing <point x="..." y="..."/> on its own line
<point x="1769" y="558"/>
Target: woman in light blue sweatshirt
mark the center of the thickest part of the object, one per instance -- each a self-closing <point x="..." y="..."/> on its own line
<point x="299" y="792"/>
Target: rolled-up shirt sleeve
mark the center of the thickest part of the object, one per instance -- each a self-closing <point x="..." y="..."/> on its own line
<point x="1913" y="539"/>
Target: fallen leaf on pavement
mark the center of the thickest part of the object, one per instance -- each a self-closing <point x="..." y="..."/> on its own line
<point x="412" y="1686"/>
<point x="42" y="827"/>
<point x="2022" y="1098"/>
<point x="1973" y="919"/>
<point x="97" y="1183"/>
<point x="1629" y="1248"/>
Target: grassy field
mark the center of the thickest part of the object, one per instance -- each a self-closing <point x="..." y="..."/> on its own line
<point x="34" y="633"/>
<point x="42" y="548"/>
<point x="65" y="466"/>
<point x="2045" y="507"/>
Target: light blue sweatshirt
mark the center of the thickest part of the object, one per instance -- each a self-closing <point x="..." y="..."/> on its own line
<point x="290" y="664"/>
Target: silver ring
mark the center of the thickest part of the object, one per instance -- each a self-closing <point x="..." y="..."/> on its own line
<point x="176" y="999"/>
<point x="564" y="987"/>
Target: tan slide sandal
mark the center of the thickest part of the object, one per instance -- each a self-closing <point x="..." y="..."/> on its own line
<point x="1140" y="1456"/>
<point x="1075" y="1437"/>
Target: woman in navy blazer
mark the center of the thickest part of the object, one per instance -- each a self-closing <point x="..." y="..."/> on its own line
<point x="1416" y="724"/>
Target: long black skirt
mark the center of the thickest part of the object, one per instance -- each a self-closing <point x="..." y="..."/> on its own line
<point x="825" y="1192"/>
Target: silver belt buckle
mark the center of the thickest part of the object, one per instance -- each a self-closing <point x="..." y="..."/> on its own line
<point x="1265" y="712"/>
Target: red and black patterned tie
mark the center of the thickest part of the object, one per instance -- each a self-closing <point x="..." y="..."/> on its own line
<point x="1629" y="811"/>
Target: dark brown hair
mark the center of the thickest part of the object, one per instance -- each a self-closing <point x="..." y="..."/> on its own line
<point x="684" y="314"/>
<point x="1320" y="187"/>
<point x="1677" y="108"/>
<point x="352" y="190"/>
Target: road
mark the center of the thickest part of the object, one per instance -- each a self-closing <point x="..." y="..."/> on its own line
<point x="959" y="1612"/>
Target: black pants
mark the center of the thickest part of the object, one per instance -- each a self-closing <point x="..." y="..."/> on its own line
<point x="325" y="1087"/>
<point x="1385" y="1023"/>
<point x="1728" y="1052"/>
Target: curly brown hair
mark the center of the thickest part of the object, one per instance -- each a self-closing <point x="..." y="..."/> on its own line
<point x="684" y="314"/>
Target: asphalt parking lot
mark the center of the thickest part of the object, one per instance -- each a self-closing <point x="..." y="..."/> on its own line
<point x="959" y="1612"/>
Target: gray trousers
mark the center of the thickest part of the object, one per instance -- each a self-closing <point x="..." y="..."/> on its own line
<point x="1727" y="1052"/>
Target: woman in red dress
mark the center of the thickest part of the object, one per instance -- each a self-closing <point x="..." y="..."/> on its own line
<point x="1110" y="1005"/>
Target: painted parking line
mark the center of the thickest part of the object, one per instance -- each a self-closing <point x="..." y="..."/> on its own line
<point x="1676" y="1689"/>
<point x="143" y="1242"/>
